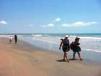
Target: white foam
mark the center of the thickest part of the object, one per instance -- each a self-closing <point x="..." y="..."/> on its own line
<point x="6" y="36"/>
<point x="56" y="40"/>
<point x="50" y="40"/>
<point x="86" y="37"/>
<point x="37" y="35"/>
<point x="93" y="50"/>
<point x="95" y="38"/>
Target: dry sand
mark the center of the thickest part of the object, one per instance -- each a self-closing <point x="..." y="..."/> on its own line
<point x="23" y="60"/>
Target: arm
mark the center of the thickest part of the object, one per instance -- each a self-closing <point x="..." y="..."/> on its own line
<point x="60" y="45"/>
<point x="69" y="44"/>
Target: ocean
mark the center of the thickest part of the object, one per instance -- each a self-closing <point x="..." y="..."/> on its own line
<point x="90" y="43"/>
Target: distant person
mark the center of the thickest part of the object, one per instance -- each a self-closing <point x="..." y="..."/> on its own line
<point x="15" y="38"/>
<point x="10" y="39"/>
<point x="76" y="48"/>
<point x="65" y="47"/>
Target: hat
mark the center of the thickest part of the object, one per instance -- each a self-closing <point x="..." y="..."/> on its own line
<point x="66" y="36"/>
<point x="77" y="38"/>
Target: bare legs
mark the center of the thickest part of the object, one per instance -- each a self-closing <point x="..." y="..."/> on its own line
<point x="79" y="55"/>
<point x="65" y="57"/>
<point x="10" y="40"/>
<point x="74" y="55"/>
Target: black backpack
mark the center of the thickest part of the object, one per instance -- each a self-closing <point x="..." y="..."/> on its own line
<point x="65" y="42"/>
<point x="72" y="45"/>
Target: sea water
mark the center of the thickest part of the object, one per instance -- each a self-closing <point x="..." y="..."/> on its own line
<point x="89" y="43"/>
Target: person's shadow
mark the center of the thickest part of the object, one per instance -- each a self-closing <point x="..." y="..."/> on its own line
<point x="61" y="60"/>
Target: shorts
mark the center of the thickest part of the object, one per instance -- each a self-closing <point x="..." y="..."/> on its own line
<point x="65" y="48"/>
<point x="77" y="49"/>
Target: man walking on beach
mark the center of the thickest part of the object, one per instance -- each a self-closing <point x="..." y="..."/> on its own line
<point x="15" y="38"/>
<point x="65" y="47"/>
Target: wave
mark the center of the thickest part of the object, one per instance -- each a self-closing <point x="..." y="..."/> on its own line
<point x="70" y="36"/>
<point x="50" y="40"/>
<point x="93" y="50"/>
<point x="37" y="35"/>
<point x="6" y="36"/>
<point x="56" y="41"/>
<point x="95" y="38"/>
<point x="86" y="37"/>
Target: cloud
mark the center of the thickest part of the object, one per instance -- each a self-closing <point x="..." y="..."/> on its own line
<point x="57" y="19"/>
<point x="52" y="23"/>
<point x="49" y="25"/>
<point x="65" y="25"/>
<point x="3" y="22"/>
<point x="79" y="24"/>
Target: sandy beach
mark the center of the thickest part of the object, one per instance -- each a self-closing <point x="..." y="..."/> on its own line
<point x="24" y="60"/>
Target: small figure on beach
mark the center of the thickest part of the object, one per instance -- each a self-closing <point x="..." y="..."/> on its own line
<point x="75" y="46"/>
<point x="10" y="39"/>
<point x="15" y="38"/>
<point x="65" y="47"/>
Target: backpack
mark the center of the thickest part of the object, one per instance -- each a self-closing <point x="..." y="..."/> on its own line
<point x="65" y="42"/>
<point x="72" y="45"/>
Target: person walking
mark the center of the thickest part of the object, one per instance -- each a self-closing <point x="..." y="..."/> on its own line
<point x="15" y="38"/>
<point x="75" y="46"/>
<point x="65" y="47"/>
<point x="10" y="39"/>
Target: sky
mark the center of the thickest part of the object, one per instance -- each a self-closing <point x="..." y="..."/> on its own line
<point x="50" y="16"/>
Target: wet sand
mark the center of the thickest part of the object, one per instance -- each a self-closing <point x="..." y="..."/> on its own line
<point x="24" y="60"/>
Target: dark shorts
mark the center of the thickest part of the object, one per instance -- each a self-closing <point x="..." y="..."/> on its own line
<point x="77" y="49"/>
<point x="65" y="48"/>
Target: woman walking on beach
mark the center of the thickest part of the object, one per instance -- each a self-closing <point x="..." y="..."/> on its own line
<point x="76" y="48"/>
<point x="65" y="47"/>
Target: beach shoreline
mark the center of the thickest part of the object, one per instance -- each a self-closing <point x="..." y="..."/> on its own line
<point x="42" y="44"/>
<point x="23" y="59"/>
